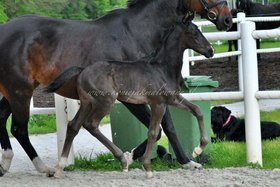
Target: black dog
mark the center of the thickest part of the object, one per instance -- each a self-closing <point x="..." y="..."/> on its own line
<point x="227" y="127"/>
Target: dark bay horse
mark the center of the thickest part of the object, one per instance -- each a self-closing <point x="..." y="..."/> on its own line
<point x="252" y="9"/>
<point x="35" y="50"/>
<point x="159" y="81"/>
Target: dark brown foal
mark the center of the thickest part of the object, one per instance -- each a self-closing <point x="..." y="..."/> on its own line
<point x="156" y="82"/>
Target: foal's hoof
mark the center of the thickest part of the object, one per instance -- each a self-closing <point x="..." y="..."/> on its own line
<point x="192" y="166"/>
<point x="129" y="157"/>
<point x="149" y="174"/>
<point x="196" y="152"/>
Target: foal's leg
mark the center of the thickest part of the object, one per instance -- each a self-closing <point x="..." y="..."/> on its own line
<point x="7" y="154"/>
<point x="158" y="111"/>
<point x="20" y="115"/>
<point x="72" y="130"/>
<point x="143" y="114"/>
<point x="99" y="110"/>
<point x="181" y="102"/>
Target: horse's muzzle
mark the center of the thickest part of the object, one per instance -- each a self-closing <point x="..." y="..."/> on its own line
<point x="224" y="23"/>
<point x="210" y="53"/>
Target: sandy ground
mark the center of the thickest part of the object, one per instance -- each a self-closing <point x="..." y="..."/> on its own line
<point x="230" y="177"/>
<point x="22" y="172"/>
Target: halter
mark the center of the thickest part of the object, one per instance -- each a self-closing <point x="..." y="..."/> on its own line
<point x="207" y="12"/>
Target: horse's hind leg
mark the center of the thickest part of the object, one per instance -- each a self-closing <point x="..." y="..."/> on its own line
<point x="92" y="123"/>
<point x="168" y="128"/>
<point x="7" y="154"/>
<point x="181" y="102"/>
<point x="20" y="109"/>
<point x="157" y="114"/>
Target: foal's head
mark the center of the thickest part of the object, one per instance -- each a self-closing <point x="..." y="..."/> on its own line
<point x="192" y="38"/>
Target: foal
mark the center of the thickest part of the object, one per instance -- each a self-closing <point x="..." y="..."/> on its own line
<point x="156" y="82"/>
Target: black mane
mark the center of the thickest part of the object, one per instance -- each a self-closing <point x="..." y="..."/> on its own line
<point x="132" y="3"/>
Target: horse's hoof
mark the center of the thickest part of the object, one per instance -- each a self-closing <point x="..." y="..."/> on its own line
<point x="2" y="171"/>
<point x="196" y="152"/>
<point x="125" y="170"/>
<point x="192" y="166"/>
<point x="149" y="174"/>
<point x="50" y="173"/>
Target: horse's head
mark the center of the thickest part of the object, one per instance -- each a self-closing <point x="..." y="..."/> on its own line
<point x="215" y="11"/>
<point x="192" y="38"/>
<point x="242" y="5"/>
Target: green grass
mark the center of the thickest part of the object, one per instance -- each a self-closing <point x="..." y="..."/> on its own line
<point x="107" y="162"/>
<point x="233" y="154"/>
<point x="38" y="124"/>
<point x="222" y="102"/>
<point x="44" y="124"/>
<point x="271" y="116"/>
<point x="265" y="44"/>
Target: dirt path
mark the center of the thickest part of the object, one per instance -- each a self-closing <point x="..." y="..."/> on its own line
<point x="231" y="177"/>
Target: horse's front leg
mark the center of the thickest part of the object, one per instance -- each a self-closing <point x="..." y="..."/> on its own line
<point x="20" y="115"/>
<point x="182" y="103"/>
<point x="158" y="111"/>
<point x="7" y="153"/>
<point x="73" y="128"/>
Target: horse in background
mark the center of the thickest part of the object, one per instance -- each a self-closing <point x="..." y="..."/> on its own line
<point x="252" y="9"/>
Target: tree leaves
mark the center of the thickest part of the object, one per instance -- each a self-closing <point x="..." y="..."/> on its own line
<point x="67" y="9"/>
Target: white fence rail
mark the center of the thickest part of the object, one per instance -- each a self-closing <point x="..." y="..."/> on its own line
<point x="65" y="109"/>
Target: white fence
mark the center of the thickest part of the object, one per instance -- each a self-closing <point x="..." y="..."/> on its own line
<point x="248" y="84"/>
<point x="248" y="77"/>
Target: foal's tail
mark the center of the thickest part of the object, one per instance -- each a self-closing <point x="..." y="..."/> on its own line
<point x="62" y="78"/>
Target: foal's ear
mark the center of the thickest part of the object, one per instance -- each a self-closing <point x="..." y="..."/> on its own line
<point x="189" y="16"/>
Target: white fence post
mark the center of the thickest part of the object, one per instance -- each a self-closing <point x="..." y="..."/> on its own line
<point x="61" y="126"/>
<point x="252" y="111"/>
<point x="186" y="64"/>
<point x="241" y="16"/>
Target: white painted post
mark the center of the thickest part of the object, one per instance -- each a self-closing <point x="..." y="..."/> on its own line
<point x="72" y="108"/>
<point x="252" y="111"/>
<point x="241" y="16"/>
<point x="186" y="64"/>
<point x="61" y="127"/>
<point x="31" y="104"/>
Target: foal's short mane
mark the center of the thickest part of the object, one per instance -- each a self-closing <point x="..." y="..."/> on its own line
<point x="153" y="57"/>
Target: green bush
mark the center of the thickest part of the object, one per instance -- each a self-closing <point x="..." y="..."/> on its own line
<point x="3" y="15"/>
<point x="68" y="9"/>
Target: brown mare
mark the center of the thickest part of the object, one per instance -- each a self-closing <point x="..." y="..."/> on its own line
<point x="35" y="50"/>
<point x="159" y="81"/>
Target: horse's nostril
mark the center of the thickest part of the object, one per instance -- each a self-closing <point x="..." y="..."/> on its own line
<point x="228" y="21"/>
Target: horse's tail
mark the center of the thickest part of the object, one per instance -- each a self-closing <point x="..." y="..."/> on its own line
<point x="62" y="78"/>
